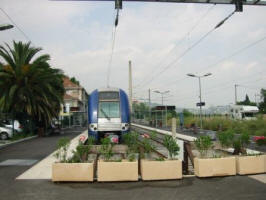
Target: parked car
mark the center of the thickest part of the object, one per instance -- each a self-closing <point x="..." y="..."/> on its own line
<point x="5" y="132"/>
<point x="17" y="126"/>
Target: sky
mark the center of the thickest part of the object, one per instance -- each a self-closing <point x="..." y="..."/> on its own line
<point x="163" y="41"/>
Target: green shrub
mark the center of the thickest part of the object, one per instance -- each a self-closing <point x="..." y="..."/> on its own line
<point x="106" y="149"/>
<point x="203" y="144"/>
<point x="171" y="146"/>
<point x="226" y="138"/>
<point x="131" y="140"/>
<point x="80" y="155"/>
<point x="62" y="147"/>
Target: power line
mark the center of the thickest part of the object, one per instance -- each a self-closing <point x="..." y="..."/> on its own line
<point x="191" y="47"/>
<point x="235" y="53"/>
<point x="23" y="33"/>
<point x="176" y="45"/>
<point x="112" y="48"/>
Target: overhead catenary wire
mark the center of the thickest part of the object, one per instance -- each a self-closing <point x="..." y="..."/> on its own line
<point x="13" y="22"/>
<point x="198" y="22"/>
<point x="109" y="65"/>
<point x="191" y="47"/>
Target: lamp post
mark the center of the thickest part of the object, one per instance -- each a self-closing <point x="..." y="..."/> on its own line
<point x="163" y="93"/>
<point x="5" y="27"/>
<point x="200" y="104"/>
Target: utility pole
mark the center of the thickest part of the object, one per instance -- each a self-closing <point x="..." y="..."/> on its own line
<point x="200" y="103"/>
<point x="150" y="105"/>
<point x="130" y="87"/>
<point x="236" y="94"/>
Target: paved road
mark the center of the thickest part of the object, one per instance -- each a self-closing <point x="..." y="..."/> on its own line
<point x="235" y="187"/>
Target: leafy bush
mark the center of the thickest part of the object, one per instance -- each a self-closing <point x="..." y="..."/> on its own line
<point x="226" y="138"/>
<point x="203" y="144"/>
<point x="106" y="148"/>
<point x="148" y="146"/>
<point x="171" y="146"/>
<point x="62" y="147"/>
<point x="131" y="140"/>
<point x="81" y="154"/>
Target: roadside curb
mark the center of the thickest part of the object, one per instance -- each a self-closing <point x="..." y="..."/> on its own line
<point x="18" y="141"/>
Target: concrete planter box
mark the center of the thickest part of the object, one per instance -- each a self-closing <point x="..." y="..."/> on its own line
<point x="264" y="163"/>
<point x="117" y="171"/>
<point x="160" y="170"/>
<point x="73" y="172"/>
<point x="250" y="164"/>
<point x="208" y="167"/>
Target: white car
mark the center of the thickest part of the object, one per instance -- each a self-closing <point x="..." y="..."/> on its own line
<point x="17" y="125"/>
<point x="5" y="133"/>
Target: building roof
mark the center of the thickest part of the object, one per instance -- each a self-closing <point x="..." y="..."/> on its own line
<point x="69" y="97"/>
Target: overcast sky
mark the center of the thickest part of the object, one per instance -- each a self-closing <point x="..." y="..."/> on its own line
<point x="78" y="36"/>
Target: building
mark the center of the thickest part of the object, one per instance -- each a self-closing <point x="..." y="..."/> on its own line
<point x="74" y="109"/>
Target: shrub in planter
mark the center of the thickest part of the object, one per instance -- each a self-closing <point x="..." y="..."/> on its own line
<point x="245" y="164"/>
<point x="212" y="165"/>
<point x="80" y="167"/>
<point x="160" y="168"/>
<point x="115" y="169"/>
<point x="203" y="144"/>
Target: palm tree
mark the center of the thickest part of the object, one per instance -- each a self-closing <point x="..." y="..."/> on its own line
<point x="28" y="85"/>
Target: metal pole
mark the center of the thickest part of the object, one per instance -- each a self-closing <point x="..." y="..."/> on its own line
<point x="200" y="103"/>
<point x="162" y="109"/>
<point x="235" y="93"/>
<point x="130" y="85"/>
<point x="149" y="105"/>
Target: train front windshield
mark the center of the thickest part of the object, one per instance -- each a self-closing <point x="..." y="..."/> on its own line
<point x="109" y="110"/>
<point x="109" y="106"/>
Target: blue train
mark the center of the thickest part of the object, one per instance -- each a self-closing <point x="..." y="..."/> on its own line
<point x="108" y="113"/>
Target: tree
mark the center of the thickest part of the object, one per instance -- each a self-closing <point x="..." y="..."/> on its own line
<point x="29" y="86"/>
<point x="246" y="102"/>
<point x="262" y="105"/>
<point x="74" y="80"/>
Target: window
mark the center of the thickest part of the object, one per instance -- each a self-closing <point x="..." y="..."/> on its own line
<point x="108" y="95"/>
<point x="109" y="109"/>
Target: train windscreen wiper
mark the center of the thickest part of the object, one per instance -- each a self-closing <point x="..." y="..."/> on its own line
<point x="105" y="114"/>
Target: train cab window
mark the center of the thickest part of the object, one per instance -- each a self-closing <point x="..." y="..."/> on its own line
<point x="108" y="96"/>
<point x="109" y="109"/>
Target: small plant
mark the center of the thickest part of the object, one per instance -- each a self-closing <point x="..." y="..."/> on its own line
<point x="203" y="144"/>
<point x="81" y="154"/>
<point x="148" y="146"/>
<point x="131" y="140"/>
<point x="239" y="144"/>
<point x="171" y="146"/>
<point x="159" y="159"/>
<point x="153" y="135"/>
<point x="226" y="138"/>
<point x="106" y="149"/>
<point x="131" y="157"/>
<point x="62" y="147"/>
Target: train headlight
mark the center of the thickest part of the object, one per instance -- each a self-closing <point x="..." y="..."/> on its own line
<point x="93" y="127"/>
<point x="125" y="126"/>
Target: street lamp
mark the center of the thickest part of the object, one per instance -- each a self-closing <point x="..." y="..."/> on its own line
<point x="5" y="27"/>
<point x="200" y="104"/>
<point x="163" y="93"/>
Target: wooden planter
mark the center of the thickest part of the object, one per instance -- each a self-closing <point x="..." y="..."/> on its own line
<point x="73" y="172"/>
<point x="251" y="164"/>
<point x="208" y="167"/>
<point x="117" y="171"/>
<point x="160" y="170"/>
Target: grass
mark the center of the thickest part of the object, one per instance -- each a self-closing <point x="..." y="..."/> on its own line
<point x="252" y="127"/>
<point x="18" y="136"/>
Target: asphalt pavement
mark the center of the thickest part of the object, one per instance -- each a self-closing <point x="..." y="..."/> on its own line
<point x="234" y="187"/>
